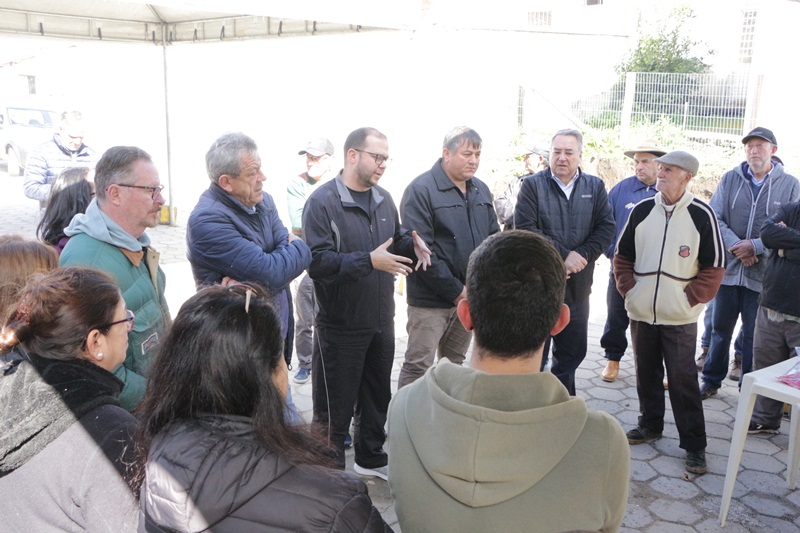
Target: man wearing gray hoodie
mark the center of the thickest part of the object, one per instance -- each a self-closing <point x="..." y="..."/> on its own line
<point x="111" y="237"/>
<point x="499" y="445"/>
<point x="746" y="196"/>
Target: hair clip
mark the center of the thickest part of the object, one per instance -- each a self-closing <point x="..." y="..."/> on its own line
<point x="248" y="292"/>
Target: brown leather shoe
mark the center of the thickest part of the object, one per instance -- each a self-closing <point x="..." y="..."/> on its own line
<point x="611" y="371"/>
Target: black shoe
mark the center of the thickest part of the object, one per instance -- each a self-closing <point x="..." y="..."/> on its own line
<point x="755" y="427"/>
<point x="696" y="462"/>
<point x="638" y="435"/>
<point x="707" y="391"/>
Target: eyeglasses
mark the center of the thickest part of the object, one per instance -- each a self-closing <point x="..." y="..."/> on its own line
<point x="313" y="159"/>
<point x="379" y="159"/>
<point x="156" y="190"/>
<point x="129" y="320"/>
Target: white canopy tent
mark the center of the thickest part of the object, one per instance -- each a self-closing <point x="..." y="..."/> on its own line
<point x="165" y="22"/>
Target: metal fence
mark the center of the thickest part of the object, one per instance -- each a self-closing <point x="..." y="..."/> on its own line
<point x="704" y="105"/>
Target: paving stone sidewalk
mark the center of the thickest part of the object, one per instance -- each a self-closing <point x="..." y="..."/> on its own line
<point x="663" y="498"/>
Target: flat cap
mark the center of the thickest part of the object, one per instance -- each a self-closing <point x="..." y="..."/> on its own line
<point x="681" y="159"/>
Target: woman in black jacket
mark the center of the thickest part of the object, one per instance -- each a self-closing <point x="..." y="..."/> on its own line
<point x="215" y="452"/>
<point x="65" y="443"/>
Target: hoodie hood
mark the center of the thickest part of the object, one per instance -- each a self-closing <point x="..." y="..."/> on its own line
<point x="473" y="417"/>
<point x="96" y="224"/>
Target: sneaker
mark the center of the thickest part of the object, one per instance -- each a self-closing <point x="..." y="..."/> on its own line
<point x="700" y="361"/>
<point x="638" y="435"/>
<point x="735" y="372"/>
<point x="302" y="376"/>
<point x="381" y="471"/>
<point x="755" y="427"/>
<point x="348" y="440"/>
<point x="707" y="391"/>
<point x="696" y="462"/>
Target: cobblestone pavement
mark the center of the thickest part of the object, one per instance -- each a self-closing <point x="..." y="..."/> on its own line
<point x="663" y="498"/>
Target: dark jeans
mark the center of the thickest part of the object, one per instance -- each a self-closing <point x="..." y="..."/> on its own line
<point x="614" y="341"/>
<point x="351" y="378"/>
<point x="730" y="302"/>
<point x="708" y="327"/>
<point x="673" y="347"/>
<point x="569" y="346"/>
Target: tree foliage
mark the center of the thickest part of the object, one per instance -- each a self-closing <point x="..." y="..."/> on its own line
<point x="668" y="49"/>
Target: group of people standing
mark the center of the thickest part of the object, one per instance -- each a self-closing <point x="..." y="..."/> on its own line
<point x="216" y="442"/>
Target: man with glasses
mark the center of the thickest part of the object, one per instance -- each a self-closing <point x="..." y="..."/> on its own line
<point x="451" y="210"/>
<point x="111" y="237"/>
<point x="64" y="150"/>
<point x="318" y="155"/>
<point x="357" y="247"/>
<point x="234" y="231"/>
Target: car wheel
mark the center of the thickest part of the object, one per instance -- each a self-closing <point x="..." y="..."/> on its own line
<point x="14" y="168"/>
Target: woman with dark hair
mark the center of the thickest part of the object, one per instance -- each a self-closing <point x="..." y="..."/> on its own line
<point x="70" y="194"/>
<point x="64" y="440"/>
<point x="215" y="452"/>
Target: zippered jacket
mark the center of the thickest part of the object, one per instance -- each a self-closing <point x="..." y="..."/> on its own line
<point x="781" y="233"/>
<point x="452" y="225"/>
<point x="665" y="265"/>
<point x="622" y="197"/>
<point x="351" y="294"/>
<point x="583" y="223"/>
<point x="740" y="218"/>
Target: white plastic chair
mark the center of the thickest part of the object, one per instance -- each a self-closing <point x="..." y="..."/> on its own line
<point x="764" y="382"/>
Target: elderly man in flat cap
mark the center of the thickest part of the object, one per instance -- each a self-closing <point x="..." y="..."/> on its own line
<point x="746" y="196"/>
<point x="669" y="261"/>
<point x="622" y="197"/>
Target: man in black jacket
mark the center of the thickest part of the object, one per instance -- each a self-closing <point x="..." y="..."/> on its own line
<point x="357" y="248"/>
<point x="777" y="330"/>
<point x="571" y="209"/>
<point x="451" y="210"/>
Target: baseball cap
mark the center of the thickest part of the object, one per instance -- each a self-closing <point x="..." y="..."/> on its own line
<point x="680" y="159"/>
<point x="761" y="133"/>
<point x="317" y="146"/>
<point x="541" y="148"/>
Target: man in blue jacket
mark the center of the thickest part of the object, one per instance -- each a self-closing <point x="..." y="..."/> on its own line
<point x="234" y="231"/>
<point x="746" y="196"/>
<point x="358" y="247"/>
<point x="452" y="211"/>
<point x="622" y="197"/>
<point x="64" y="150"/>
<point x="570" y="208"/>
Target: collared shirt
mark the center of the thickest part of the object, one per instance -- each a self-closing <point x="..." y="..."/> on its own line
<point x="569" y="186"/>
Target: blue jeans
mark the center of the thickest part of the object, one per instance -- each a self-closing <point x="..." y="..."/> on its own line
<point x="614" y="341"/>
<point x="708" y="327"/>
<point x="730" y="302"/>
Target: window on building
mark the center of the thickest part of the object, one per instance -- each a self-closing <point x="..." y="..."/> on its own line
<point x="748" y="37"/>
<point x="538" y="19"/>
